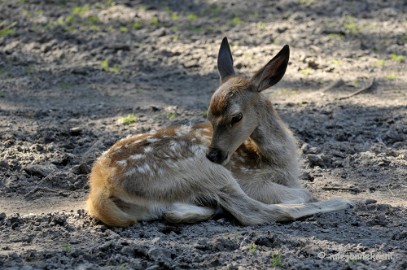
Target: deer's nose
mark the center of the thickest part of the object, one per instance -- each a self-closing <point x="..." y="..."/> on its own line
<point x="216" y="155"/>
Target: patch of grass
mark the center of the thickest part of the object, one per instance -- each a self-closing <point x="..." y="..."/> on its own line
<point x="261" y="26"/>
<point x="154" y="21"/>
<point x="205" y="113"/>
<point x="123" y="29"/>
<point x="106" y="66"/>
<point x="174" y="16"/>
<point x="6" y="31"/>
<point x="391" y="77"/>
<point x="67" y="247"/>
<point x="109" y="3"/>
<point x="195" y="28"/>
<point x="336" y="62"/>
<point x="379" y="63"/>
<point x="396" y="57"/>
<point x="175" y="38"/>
<point x="252" y="247"/>
<point x="306" y="2"/>
<point x="93" y="19"/>
<point x="80" y="10"/>
<point x="276" y="260"/>
<point x="235" y="21"/>
<point x="69" y="19"/>
<point x="192" y="17"/>
<point x="65" y="85"/>
<point x="351" y="25"/>
<point x="2" y="95"/>
<point x="305" y="71"/>
<point x="335" y="36"/>
<point x="128" y="119"/>
<point x="137" y="25"/>
<point x="171" y="115"/>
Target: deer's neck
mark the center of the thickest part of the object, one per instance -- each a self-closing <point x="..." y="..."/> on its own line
<point x="274" y="140"/>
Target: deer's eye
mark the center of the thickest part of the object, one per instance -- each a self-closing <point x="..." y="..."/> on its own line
<point x="236" y="118"/>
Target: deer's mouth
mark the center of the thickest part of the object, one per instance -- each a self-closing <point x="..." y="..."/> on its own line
<point x="218" y="156"/>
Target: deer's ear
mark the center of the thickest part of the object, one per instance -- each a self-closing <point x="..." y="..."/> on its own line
<point x="273" y="71"/>
<point x="225" y="61"/>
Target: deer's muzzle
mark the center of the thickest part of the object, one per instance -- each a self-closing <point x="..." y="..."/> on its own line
<point x="216" y="155"/>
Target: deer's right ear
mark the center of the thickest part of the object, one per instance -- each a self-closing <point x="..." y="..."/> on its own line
<point x="273" y="71"/>
<point x="225" y="61"/>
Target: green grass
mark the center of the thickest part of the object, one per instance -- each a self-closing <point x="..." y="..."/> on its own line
<point x="67" y="247"/>
<point x="65" y="85"/>
<point x="391" y="77"/>
<point x="351" y="25"/>
<point x="379" y="63"/>
<point x="154" y="21"/>
<point x="171" y="116"/>
<point x="276" y="260"/>
<point x="305" y="71"/>
<point x="106" y="67"/>
<point x="80" y="10"/>
<point x="306" y="2"/>
<point x="336" y="62"/>
<point x="235" y="21"/>
<point x="192" y="17"/>
<point x="174" y="16"/>
<point x="252" y="247"/>
<point x="335" y="36"/>
<point x="6" y="31"/>
<point x="93" y="19"/>
<point x="261" y="26"/>
<point x="137" y="25"/>
<point x="396" y="57"/>
<point x="123" y="29"/>
<point x="128" y="119"/>
<point x="205" y="113"/>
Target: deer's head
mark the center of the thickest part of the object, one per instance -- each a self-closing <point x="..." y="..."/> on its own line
<point x="232" y="110"/>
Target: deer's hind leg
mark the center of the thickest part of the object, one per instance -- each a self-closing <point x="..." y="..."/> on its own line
<point x="187" y="213"/>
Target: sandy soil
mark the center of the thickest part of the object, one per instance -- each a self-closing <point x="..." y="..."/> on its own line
<point x="71" y="70"/>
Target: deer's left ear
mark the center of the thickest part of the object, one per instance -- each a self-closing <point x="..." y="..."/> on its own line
<point x="273" y="72"/>
<point x="225" y="61"/>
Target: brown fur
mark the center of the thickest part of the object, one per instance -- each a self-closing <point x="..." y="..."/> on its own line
<point x="168" y="175"/>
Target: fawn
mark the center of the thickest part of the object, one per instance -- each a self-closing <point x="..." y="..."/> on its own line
<point x="244" y="161"/>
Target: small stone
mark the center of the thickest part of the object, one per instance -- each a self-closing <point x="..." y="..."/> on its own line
<point x="370" y="201"/>
<point x="75" y="131"/>
<point x="40" y="170"/>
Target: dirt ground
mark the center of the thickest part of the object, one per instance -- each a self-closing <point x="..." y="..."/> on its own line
<point x="71" y="71"/>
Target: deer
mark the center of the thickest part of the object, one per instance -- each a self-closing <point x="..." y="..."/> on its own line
<point x="244" y="160"/>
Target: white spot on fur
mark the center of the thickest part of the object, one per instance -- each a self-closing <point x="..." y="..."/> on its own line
<point x="122" y="163"/>
<point x="148" y="149"/>
<point x="198" y="149"/>
<point x="144" y="168"/>
<point x="131" y="172"/>
<point x="174" y="146"/>
<point x="137" y="156"/>
<point x="183" y="130"/>
<point x="153" y="140"/>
